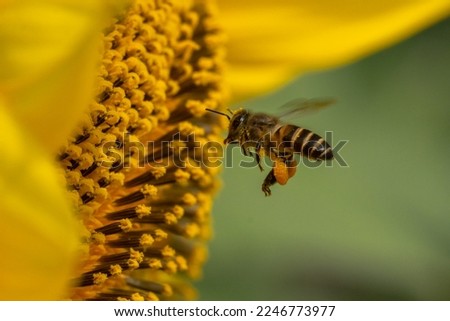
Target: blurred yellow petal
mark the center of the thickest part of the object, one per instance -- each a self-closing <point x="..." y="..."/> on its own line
<point x="272" y="41"/>
<point x="38" y="236"/>
<point x="49" y="51"/>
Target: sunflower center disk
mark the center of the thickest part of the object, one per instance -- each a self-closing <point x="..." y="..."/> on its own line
<point x="135" y="167"/>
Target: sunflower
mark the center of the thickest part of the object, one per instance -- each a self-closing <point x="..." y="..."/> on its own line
<point x="124" y="211"/>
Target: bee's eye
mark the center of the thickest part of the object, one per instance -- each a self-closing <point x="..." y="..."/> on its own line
<point x="236" y="122"/>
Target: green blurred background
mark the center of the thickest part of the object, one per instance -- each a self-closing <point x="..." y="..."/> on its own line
<point x="376" y="230"/>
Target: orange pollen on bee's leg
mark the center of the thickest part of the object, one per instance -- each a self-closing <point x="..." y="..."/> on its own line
<point x="281" y="172"/>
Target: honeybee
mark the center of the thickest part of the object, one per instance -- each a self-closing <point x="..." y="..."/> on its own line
<point x="261" y="134"/>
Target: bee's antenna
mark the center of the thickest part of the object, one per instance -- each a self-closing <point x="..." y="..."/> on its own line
<point x="220" y="113"/>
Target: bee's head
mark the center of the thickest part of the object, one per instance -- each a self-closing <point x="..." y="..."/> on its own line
<point x="237" y="120"/>
<point x="237" y="125"/>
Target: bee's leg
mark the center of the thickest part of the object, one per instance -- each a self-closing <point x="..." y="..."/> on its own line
<point x="244" y="146"/>
<point x="269" y="181"/>
<point x="257" y="155"/>
<point x="257" y="159"/>
<point x="245" y="151"/>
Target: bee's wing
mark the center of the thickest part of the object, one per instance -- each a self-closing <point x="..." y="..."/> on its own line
<point x="301" y="106"/>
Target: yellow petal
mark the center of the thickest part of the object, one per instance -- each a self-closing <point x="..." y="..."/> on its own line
<point x="48" y="56"/>
<point x="38" y="238"/>
<point x="271" y="41"/>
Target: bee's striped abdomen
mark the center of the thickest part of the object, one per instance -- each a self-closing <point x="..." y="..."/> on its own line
<point x="303" y="141"/>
